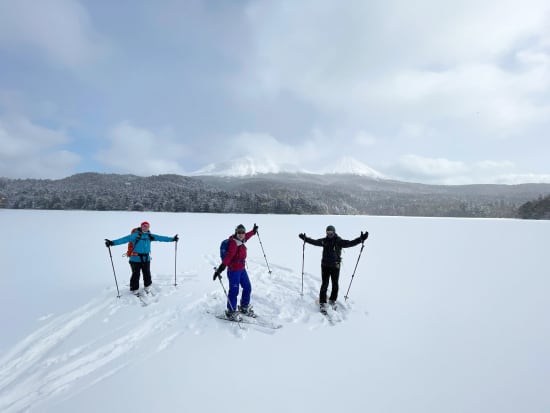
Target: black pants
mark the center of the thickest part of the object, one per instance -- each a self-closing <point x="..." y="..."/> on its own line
<point x="331" y="274"/>
<point x="145" y="267"/>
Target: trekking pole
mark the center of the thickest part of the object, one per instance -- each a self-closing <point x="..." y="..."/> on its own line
<point x="175" y="262"/>
<point x="352" y="275"/>
<point x="259" y="239"/>
<point x="114" y="273"/>
<point x="303" y="260"/>
<point x="227" y="297"/>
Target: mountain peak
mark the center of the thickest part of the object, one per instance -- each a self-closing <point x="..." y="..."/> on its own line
<point x="244" y="166"/>
<point x="248" y="166"/>
<point x="349" y="165"/>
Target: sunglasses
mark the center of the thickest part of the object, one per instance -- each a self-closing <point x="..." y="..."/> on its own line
<point x="330" y="232"/>
<point x="241" y="232"/>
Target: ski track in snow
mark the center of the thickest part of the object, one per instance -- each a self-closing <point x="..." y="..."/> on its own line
<point x="47" y="363"/>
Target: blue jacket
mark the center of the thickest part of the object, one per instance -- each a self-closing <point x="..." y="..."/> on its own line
<point x="143" y="246"/>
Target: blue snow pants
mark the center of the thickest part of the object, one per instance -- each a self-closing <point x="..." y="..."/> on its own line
<point x="238" y="279"/>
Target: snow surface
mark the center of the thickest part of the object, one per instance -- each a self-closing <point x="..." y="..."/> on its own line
<point x="444" y="315"/>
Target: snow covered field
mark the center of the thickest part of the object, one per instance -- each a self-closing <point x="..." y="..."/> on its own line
<point x="444" y="315"/>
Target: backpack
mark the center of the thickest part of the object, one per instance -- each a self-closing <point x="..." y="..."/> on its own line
<point x="224" y="246"/>
<point x="131" y="244"/>
<point x="130" y="251"/>
<point x="336" y="249"/>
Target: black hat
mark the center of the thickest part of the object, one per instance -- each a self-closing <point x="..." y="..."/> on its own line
<point x="240" y="227"/>
<point x="331" y="228"/>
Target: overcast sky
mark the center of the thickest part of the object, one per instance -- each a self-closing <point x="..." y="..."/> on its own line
<point x="430" y="91"/>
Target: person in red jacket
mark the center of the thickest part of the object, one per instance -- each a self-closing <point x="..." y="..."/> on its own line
<point x="234" y="261"/>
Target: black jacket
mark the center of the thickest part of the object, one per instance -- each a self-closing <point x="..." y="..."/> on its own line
<point x="332" y="248"/>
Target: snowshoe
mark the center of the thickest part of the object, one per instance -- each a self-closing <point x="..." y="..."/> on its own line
<point x="247" y="311"/>
<point x="233" y="315"/>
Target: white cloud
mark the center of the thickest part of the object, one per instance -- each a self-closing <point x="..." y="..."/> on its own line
<point x="446" y="172"/>
<point x="318" y="80"/>
<point x="139" y="151"/>
<point x="61" y="30"/>
<point x="363" y="138"/>
<point x="312" y="152"/>
<point x="481" y="97"/>
<point x="479" y="65"/>
<point x="33" y="151"/>
<point x="512" y="179"/>
<point x="260" y="144"/>
<point x="431" y="167"/>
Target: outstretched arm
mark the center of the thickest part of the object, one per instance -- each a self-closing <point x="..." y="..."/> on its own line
<point x="316" y="242"/>
<point x="124" y="240"/>
<point x="162" y="238"/>
<point x="361" y="238"/>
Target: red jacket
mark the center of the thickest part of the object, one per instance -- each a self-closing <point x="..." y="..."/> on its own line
<point x="236" y="252"/>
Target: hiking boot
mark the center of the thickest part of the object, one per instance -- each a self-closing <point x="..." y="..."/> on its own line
<point x="247" y="310"/>
<point x="332" y="303"/>
<point x="135" y="292"/>
<point x="148" y="289"/>
<point x="232" y="315"/>
<point x="323" y="308"/>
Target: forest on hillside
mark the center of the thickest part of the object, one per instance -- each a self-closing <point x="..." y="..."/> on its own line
<point x="271" y="194"/>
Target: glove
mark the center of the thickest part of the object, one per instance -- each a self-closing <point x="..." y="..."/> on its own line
<point x="255" y="228"/>
<point x="217" y="273"/>
<point x="176" y="238"/>
<point x="302" y="236"/>
<point x="108" y="243"/>
<point x="364" y="235"/>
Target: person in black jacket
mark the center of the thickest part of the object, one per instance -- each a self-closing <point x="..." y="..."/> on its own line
<point x="330" y="263"/>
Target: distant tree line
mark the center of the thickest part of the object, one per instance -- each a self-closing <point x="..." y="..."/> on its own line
<point x="537" y="209"/>
<point x="275" y="194"/>
<point x="169" y="193"/>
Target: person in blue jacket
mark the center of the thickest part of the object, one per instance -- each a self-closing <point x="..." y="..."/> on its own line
<point x="140" y="257"/>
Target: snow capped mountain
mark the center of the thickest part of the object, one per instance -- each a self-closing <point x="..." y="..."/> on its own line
<point x="349" y="165"/>
<point x="248" y="166"/>
<point x="245" y="166"/>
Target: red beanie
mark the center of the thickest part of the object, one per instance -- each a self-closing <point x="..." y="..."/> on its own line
<point x="144" y="223"/>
